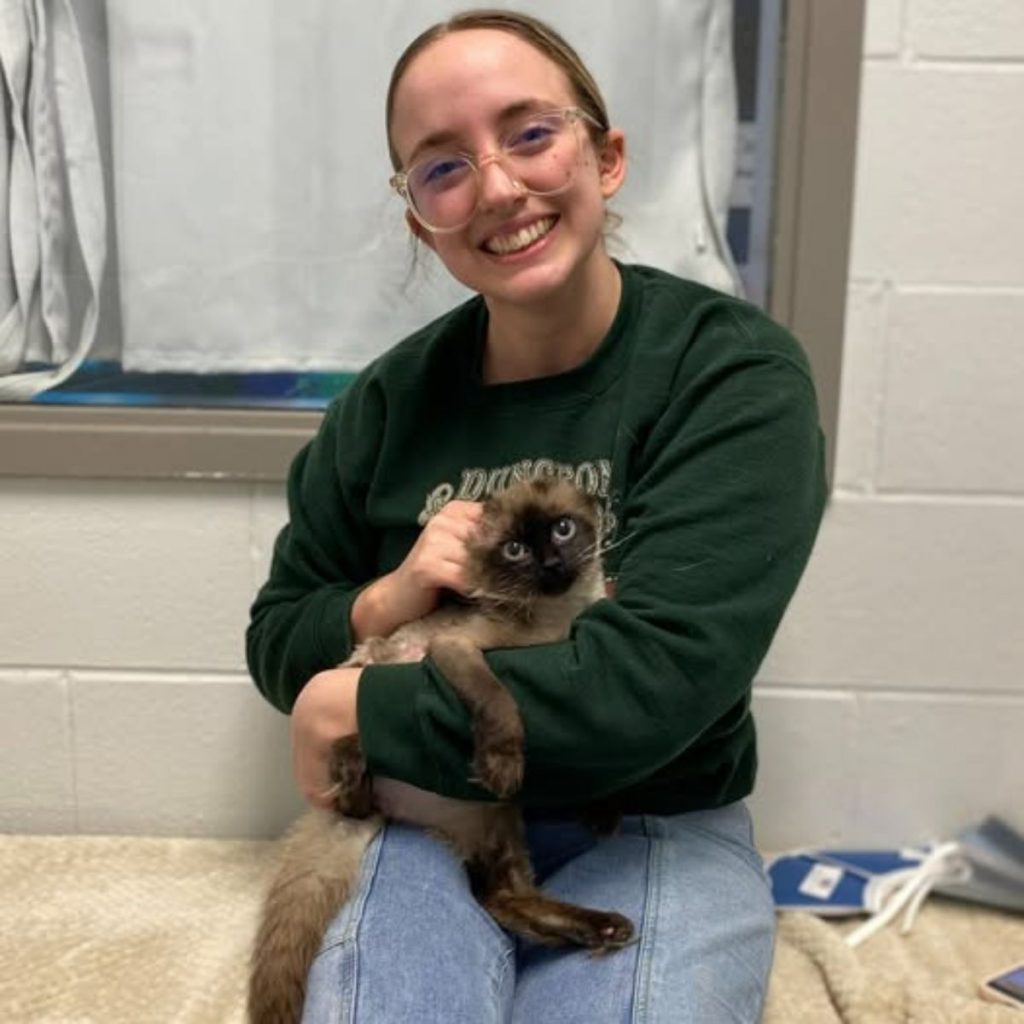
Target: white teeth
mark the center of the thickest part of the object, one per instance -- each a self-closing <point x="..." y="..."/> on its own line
<point x="503" y="245"/>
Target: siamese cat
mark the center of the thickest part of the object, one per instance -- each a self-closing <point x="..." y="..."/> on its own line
<point x="534" y="565"/>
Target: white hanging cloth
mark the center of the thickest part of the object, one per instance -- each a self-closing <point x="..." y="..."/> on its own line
<point x="51" y="196"/>
<point x="256" y="231"/>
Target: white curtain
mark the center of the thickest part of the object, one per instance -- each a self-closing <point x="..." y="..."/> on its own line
<point x="52" y="208"/>
<point x="256" y="229"/>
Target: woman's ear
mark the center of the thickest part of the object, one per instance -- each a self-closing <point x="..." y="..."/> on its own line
<point x="420" y="233"/>
<point x="611" y="162"/>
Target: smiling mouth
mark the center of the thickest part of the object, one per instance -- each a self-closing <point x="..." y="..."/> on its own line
<point x="506" y="245"/>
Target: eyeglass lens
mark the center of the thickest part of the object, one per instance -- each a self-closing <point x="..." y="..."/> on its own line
<point x="540" y="155"/>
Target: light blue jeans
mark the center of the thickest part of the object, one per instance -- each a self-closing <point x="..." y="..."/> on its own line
<point x="414" y="947"/>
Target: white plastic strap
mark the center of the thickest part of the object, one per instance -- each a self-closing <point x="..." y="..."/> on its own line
<point x="909" y="889"/>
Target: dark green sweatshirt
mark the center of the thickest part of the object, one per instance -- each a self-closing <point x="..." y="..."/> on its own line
<point x="696" y="423"/>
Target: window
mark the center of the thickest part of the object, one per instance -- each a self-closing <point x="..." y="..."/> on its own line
<point x="187" y="377"/>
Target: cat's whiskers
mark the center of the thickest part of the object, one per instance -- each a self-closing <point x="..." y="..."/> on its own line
<point x="602" y="549"/>
<point x="691" y="565"/>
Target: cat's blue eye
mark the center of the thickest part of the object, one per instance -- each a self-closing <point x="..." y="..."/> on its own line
<point x="563" y="530"/>
<point x="514" y="550"/>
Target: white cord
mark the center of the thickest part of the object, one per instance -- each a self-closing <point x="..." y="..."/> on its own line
<point x="909" y="888"/>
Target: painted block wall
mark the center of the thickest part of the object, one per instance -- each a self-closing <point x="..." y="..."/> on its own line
<point x="891" y="707"/>
<point x="892" y="703"/>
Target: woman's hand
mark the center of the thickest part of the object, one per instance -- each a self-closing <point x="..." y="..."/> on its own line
<point x="324" y="711"/>
<point x="436" y="562"/>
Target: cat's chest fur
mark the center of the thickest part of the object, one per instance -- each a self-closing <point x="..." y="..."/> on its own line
<point x="549" y="621"/>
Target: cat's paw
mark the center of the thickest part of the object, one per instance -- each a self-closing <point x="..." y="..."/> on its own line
<point x="499" y="767"/>
<point x="351" y="788"/>
<point x="604" y="931"/>
<point x="498" y="743"/>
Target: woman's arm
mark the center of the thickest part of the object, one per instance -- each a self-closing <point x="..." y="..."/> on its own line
<point x="299" y="622"/>
<point x="726" y="491"/>
<point x="321" y="597"/>
<point x="326" y="705"/>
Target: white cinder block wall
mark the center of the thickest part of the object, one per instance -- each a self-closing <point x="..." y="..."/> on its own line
<point x="891" y="707"/>
<point x="892" y="703"/>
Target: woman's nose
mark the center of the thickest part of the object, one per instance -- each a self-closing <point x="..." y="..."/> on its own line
<point x="498" y="186"/>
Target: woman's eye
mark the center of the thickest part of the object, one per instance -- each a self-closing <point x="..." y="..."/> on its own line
<point x="564" y="529"/>
<point x="533" y="136"/>
<point x="443" y="172"/>
<point x="514" y="550"/>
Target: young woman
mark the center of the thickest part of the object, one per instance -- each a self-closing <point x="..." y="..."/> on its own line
<point x="692" y="416"/>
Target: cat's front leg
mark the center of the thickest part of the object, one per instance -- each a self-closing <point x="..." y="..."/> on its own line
<point x="497" y="726"/>
<point x="351" y="787"/>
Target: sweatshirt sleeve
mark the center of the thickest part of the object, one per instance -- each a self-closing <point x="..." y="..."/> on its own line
<point x="725" y="494"/>
<point x="299" y="621"/>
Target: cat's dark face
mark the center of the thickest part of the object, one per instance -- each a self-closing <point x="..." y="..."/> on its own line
<point x="536" y="539"/>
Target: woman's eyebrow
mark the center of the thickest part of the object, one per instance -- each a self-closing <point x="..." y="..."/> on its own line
<point x="448" y="137"/>
<point x="432" y="141"/>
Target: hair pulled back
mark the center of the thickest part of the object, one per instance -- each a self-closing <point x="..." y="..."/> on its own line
<point x="531" y="30"/>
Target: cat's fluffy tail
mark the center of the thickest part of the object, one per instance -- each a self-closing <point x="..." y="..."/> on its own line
<point x="318" y="872"/>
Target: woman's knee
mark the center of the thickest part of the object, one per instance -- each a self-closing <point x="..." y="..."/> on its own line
<point x="413" y="913"/>
<point x="412" y="884"/>
<point x="709" y="940"/>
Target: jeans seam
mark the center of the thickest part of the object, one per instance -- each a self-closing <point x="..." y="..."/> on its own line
<point x="645" y="955"/>
<point x="345" y="944"/>
<point x="353" y="906"/>
<point x="507" y="960"/>
<point x="349" y="965"/>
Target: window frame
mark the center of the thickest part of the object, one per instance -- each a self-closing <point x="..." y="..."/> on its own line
<point x="820" y="69"/>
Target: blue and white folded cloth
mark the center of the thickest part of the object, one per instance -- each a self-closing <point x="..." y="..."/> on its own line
<point x="984" y="864"/>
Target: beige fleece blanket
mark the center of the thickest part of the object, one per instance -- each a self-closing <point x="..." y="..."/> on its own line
<point x="132" y="931"/>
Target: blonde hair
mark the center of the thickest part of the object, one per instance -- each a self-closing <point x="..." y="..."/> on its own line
<point x="531" y="30"/>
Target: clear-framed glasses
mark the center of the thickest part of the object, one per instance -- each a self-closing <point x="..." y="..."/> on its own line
<point x="540" y="154"/>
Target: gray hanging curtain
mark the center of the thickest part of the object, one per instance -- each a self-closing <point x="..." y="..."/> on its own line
<point x="51" y="197"/>
<point x="256" y="231"/>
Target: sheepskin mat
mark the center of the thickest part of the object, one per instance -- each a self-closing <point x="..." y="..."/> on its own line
<point x="133" y="931"/>
<point x="127" y="930"/>
<point x="929" y="976"/>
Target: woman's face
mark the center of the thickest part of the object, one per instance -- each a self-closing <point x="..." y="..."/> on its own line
<point x="463" y="88"/>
